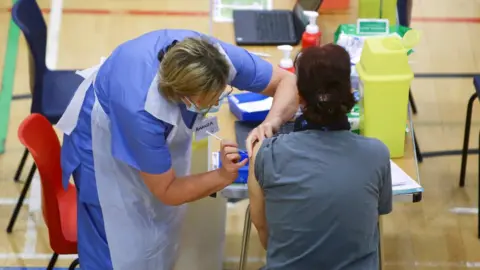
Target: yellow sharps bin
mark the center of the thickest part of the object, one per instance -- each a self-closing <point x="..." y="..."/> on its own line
<point x="385" y="77"/>
<point x="383" y="9"/>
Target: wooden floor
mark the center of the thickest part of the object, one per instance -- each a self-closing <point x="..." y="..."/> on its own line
<point x="427" y="235"/>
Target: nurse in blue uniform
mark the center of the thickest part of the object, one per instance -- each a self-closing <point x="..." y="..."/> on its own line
<point x="127" y="141"/>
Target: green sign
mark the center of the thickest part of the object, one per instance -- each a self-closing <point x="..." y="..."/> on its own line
<point x="372" y="27"/>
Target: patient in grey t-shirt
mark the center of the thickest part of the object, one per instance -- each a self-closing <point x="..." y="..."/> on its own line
<point x="319" y="191"/>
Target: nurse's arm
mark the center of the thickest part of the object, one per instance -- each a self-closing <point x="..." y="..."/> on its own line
<point x="257" y="75"/>
<point x="283" y="88"/>
<point x="257" y="201"/>
<point x="172" y="190"/>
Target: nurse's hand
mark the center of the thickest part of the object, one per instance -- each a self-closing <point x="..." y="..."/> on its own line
<point x="230" y="160"/>
<point x="264" y="130"/>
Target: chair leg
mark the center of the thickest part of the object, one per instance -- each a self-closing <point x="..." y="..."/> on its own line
<point x="478" y="200"/>
<point x="247" y="226"/>
<point x="53" y="261"/>
<point x="18" y="173"/>
<point x="417" y="148"/>
<point x="16" y="211"/>
<point x="412" y="102"/>
<point x="466" y="138"/>
<point x="74" y="264"/>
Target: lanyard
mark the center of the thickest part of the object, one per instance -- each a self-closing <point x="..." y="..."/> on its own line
<point x="301" y="124"/>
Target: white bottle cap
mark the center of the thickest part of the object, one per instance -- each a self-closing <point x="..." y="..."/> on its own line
<point x="286" y="61"/>
<point x="312" y="27"/>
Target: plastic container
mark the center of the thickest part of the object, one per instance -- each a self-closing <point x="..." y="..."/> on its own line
<point x="286" y="62"/>
<point x="256" y="116"/>
<point x="385" y="78"/>
<point x="312" y="35"/>
<point x="380" y="9"/>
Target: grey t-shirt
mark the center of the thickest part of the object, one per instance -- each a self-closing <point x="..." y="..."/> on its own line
<point x="324" y="191"/>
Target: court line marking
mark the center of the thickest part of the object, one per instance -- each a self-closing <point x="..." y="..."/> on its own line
<point x="8" y="76"/>
<point x="138" y="12"/>
<point x="12" y="201"/>
<point x="29" y="247"/>
<point x="446" y="19"/>
<point x="51" y="57"/>
<point x="133" y="12"/>
<point x="34" y="212"/>
<point x="464" y="210"/>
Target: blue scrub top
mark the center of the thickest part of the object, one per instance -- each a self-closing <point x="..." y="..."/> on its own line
<point x="122" y="83"/>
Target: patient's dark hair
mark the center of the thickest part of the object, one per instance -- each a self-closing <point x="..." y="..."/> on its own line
<point x="323" y="81"/>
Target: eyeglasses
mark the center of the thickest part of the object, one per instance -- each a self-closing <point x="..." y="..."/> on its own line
<point x="206" y="111"/>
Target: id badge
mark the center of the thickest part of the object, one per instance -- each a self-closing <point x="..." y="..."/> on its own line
<point x="201" y="127"/>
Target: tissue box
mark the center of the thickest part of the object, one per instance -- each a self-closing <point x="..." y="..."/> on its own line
<point x="242" y="172"/>
<point x="347" y="37"/>
<point x="249" y="106"/>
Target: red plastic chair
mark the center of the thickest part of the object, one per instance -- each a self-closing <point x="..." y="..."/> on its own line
<point x="59" y="205"/>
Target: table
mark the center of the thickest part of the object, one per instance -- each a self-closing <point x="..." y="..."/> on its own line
<point x="226" y="122"/>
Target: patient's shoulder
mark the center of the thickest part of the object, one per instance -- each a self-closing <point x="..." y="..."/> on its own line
<point x="373" y="149"/>
<point x="271" y="144"/>
<point x="273" y="148"/>
<point x="375" y="145"/>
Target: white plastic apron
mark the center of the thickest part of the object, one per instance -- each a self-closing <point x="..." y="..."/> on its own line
<point x="142" y="232"/>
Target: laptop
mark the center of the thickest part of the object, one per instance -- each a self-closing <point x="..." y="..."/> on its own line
<point x="272" y="27"/>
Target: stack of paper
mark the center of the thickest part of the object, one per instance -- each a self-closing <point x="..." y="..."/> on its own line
<point x="402" y="182"/>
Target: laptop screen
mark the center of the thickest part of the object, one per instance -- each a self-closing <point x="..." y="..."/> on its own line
<point x="301" y="21"/>
<point x="310" y="4"/>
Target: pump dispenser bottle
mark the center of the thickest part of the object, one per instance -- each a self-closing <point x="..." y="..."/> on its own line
<point x="312" y="35"/>
<point x="286" y="62"/>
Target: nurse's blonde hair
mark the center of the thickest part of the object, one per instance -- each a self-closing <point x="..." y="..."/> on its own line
<point x="193" y="67"/>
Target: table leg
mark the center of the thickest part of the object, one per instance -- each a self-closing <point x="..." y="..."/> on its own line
<point x="247" y="226"/>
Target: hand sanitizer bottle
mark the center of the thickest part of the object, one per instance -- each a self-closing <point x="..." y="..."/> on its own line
<point x="286" y="62"/>
<point x="312" y="35"/>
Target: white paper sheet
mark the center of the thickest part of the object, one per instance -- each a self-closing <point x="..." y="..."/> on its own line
<point x="401" y="180"/>
<point x="222" y="9"/>
<point x="256" y="106"/>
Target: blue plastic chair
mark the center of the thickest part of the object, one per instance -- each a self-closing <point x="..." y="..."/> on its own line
<point x="52" y="90"/>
